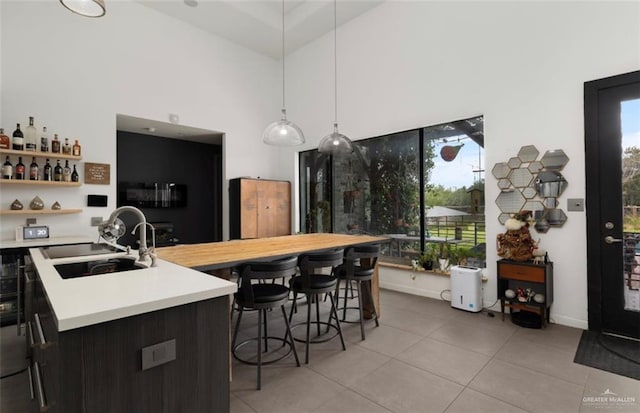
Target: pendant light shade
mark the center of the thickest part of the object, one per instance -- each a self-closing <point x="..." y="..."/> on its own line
<point x="283" y="132"/>
<point x="88" y="8"/>
<point x="335" y="142"/>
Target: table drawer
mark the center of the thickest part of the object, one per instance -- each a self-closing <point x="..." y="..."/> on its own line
<point x="521" y="272"/>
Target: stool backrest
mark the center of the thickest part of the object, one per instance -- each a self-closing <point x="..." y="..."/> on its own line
<point x="323" y="259"/>
<point x="265" y="270"/>
<point x="365" y="255"/>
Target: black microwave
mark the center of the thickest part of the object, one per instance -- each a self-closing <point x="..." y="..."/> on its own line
<point x="152" y="195"/>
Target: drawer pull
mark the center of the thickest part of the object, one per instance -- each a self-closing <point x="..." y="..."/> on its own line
<point x="31" y="393"/>
<point x="42" y="401"/>
<point x="39" y="330"/>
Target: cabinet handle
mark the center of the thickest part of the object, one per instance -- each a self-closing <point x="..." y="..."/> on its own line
<point x="32" y="395"/>
<point x="41" y="397"/>
<point x="30" y="333"/>
<point x="39" y="330"/>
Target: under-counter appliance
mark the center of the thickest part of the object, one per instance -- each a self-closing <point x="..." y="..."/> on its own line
<point x="466" y="288"/>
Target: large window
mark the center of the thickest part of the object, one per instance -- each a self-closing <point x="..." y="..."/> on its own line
<point x="420" y="187"/>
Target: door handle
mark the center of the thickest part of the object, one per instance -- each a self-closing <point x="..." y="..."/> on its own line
<point x="610" y="240"/>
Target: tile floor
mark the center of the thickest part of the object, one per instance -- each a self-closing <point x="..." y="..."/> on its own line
<point x="428" y="357"/>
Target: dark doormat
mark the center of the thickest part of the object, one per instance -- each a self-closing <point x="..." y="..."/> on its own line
<point x="612" y="354"/>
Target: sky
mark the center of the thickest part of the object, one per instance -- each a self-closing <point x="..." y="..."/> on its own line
<point x="630" y="115"/>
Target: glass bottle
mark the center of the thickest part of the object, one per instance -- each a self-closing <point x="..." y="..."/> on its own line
<point x="57" y="172"/>
<point x="7" y="169"/>
<point x="66" y="148"/>
<point x="46" y="174"/>
<point x="55" y="144"/>
<point x="20" y="169"/>
<point x="5" y="142"/>
<point x="74" y="175"/>
<point x="44" y="140"/>
<point x="76" y="149"/>
<point x="33" y="170"/>
<point x="18" y="139"/>
<point x="66" y="172"/>
<point x="30" y="137"/>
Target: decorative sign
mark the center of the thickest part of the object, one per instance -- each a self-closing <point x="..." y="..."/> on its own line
<point x="97" y="173"/>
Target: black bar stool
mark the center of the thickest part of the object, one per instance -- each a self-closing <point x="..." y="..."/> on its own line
<point x="359" y="265"/>
<point x="263" y="296"/>
<point x="312" y="285"/>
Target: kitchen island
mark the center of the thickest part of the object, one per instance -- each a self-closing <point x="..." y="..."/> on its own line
<point x="144" y="340"/>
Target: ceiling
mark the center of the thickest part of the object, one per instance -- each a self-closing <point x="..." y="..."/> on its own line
<point x="257" y="24"/>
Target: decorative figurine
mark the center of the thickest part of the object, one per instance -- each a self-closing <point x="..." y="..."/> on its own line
<point x="16" y="205"/>
<point x="56" y="206"/>
<point x="36" y="203"/>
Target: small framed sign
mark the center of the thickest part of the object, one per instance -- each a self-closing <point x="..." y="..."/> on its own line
<point x="97" y="173"/>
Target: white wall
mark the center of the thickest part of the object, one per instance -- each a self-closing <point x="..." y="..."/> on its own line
<point x="520" y="64"/>
<point x="74" y="74"/>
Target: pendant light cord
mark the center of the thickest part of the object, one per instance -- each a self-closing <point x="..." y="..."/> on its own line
<point x="335" y="61"/>
<point x="283" y="106"/>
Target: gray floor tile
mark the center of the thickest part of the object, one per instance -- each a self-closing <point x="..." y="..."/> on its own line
<point x="389" y="340"/>
<point x="544" y="359"/>
<point x="482" y="319"/>
<point x="471" y="401"/>
<point x="451" y="362"/>
<point x="347" y="367"/>
<point x="411" y="321"/>
<point x="554" y="335"/>
<point x="527" y="389"/>
<point x="238" y="406"/>
<point x="472" y="337"/>
<point x="350" y="402"/>
<point x="400" y="387"/>
<point x="599" y="381"/>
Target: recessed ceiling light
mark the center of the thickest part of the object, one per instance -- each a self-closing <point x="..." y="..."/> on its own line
<point x="191" y="3"/>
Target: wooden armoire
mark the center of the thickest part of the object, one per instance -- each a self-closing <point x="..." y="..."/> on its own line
<point x="259" y="208"/>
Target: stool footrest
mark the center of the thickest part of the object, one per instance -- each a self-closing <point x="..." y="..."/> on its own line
<point x="284" y="342"/>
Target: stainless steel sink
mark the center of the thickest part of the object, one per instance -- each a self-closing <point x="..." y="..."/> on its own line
<point x="88" y="268"/>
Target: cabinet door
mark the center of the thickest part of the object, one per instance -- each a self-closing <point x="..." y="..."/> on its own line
<point x="249" y="208"/>
<point x="274" y="208"/>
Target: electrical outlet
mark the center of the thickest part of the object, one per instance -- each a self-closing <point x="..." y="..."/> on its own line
<point x="95" y="221"/>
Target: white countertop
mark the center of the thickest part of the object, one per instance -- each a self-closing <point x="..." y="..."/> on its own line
<point x="31" y="243"/>
<point x="83" y="301"/>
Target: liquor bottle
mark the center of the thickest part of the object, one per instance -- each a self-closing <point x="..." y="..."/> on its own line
<point x="46" y="174"/>
<point x="5" y="142"/>
<point x="7" y="169"/>
<point x="74" y="175"/>
<point x="57" y="172"/>
<point x="18" y="139"/>
<point x="76" y="149"/>
<point x="30" y="137"/>
<point x="20" y="169"/>
<point x="44" y="140"/>
<point x="66" y="172"/>
<point x="55" y="144"/>
<point x="66" y="148"/>
<point x="33" y="170"/>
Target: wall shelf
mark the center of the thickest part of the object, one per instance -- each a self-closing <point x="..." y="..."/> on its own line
<point x="41" y="183"/>
<point x="39" y="154"/>
<point x="40" y="211"/>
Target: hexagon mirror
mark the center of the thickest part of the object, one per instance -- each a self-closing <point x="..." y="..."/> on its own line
<point x="514" y="163"/>
<point x="555" y="159"/>
<point x="550" y="184"/>
<point x="504" y="184"/>
<point x="529" y="192"/>
<point x="528" y="153"/>
<point x="535" y="167"/>
<point x="500" y="170"/>
<point x="510" y="202"/>
<point x="520" y="177"/>
<point x="503" y="218"/>
<point x="555" y="217"/>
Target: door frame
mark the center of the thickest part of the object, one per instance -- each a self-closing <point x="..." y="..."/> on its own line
<point x="593" y="171"/>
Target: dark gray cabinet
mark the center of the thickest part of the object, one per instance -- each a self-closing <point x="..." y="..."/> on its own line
<point x="98" y="368"/>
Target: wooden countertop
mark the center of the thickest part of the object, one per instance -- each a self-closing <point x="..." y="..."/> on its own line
<point x="225" y="254"/>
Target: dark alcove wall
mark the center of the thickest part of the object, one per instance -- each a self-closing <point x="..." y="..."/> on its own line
<point x="149" y="159"/>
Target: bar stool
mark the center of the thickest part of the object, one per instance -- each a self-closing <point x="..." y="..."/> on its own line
<point x="359" y="265"/>
<point x="312" y="285"/>
<point x="264" y="296"/>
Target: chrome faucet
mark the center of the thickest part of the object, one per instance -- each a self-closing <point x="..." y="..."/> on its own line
<point x="151" y="252"/>
<point x="143" y="251"/>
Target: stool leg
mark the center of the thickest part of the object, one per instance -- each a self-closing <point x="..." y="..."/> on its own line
<point x="318" y="314"/>
<point x="295" y="297"/>
<point x="266" y="334"/>
<point x="235" y="333"/>
<point x="359" y="290"/>
<point x="259" y="350"/>
<point x="288" y="334"/>
<point x="373" y="305"/>
<point x="335" y="313"/>
<point x="347" y="284"/>
<point x="306" y="361"/>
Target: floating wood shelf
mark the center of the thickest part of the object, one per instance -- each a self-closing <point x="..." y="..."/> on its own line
<point x="40" y="211"/>
<point x="39" y="154"/>
<point x="42" y="183"/>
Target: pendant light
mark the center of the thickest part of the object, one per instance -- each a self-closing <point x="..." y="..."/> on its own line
<point x="88" y="8"/>
<point x="335" y="142"/>
<point x="283" y="132"/>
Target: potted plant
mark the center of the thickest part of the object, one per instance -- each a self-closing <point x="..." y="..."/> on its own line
<point x="429" y="257"/>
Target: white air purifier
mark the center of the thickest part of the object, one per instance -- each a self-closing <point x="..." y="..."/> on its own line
<point x="466" y="288"/>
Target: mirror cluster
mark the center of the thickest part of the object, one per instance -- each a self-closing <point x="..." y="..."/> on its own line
<point x="527" y="183"/>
